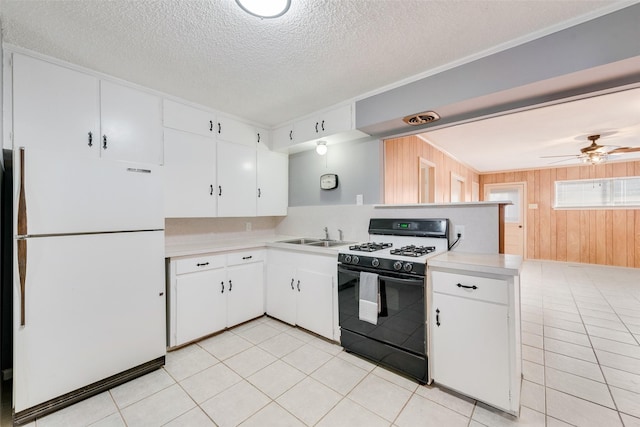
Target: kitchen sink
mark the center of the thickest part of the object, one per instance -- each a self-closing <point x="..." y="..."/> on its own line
<point x="315" y="242"/>
<point x="301" y="241"/>
<point x="329" y="243"/>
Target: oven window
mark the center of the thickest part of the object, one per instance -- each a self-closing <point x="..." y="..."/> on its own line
<point x="401" y="311"/>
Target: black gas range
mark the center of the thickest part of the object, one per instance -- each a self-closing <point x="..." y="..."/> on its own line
<point x="381" y="292"/>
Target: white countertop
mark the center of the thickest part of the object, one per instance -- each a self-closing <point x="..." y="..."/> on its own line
<point x="502" y="264"/>
<point x="199" y="247"/>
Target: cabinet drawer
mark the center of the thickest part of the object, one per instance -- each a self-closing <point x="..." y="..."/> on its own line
<point x="201" y="263"/>
<point x="245" y="257"/>
<point x="491" y="290"/>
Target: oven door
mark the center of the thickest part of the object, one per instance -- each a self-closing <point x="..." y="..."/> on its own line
<point x="401" y="314"/>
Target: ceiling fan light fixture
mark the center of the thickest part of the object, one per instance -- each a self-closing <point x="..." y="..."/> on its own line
<point x="321" y="148"/>
<point x="265" y="8"/>
<point x="595" y="158"/>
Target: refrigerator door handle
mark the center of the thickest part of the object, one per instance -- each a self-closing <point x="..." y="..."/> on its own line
<point x="22" y="243"/>
<point x="22" y="273"/>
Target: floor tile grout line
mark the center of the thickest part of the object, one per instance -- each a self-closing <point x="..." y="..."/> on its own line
<point x="615" y="404"/>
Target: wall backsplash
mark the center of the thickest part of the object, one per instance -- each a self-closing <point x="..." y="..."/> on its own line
<point x="211" y="229"/>
<point x="480" y="221"/>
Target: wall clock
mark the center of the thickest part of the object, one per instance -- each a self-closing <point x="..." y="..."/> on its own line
<point x="329" y="181"/>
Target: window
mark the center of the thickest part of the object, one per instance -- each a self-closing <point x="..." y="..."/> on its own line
<point x="598" y="193"/>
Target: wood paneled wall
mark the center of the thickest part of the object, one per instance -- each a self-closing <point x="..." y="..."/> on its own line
<point x="603" y="236"/>
<point x="402" y="171"/>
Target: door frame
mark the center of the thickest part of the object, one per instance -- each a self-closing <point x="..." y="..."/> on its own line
<point x="487" y="187"/>
<point x="431" y="167"/>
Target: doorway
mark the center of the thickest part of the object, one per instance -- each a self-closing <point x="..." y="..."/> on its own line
<point x="427" y="184"/>
<point x="514" y="219"/>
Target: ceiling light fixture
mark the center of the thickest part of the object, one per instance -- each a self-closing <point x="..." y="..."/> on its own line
<point x="321" y="148"/>
<point x="265" y="8"/>
<point x="595" y="158"/>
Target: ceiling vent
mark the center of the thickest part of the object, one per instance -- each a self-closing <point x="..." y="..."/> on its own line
<point x="421" y="118"/>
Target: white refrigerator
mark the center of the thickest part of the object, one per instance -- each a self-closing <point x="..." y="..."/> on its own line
<point x="89" y="282"/>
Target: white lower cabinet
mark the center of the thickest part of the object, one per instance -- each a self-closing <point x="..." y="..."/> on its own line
<point x="245" y="296"/>
<point x="200" y="304"/>
<point x="300" y="290"/>
<point x="212" y="292"/>
<point x="475" y="335"/>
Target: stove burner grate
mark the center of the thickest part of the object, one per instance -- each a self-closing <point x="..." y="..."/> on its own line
<point x="413" y="251"/>
<point x="370" y="247"/>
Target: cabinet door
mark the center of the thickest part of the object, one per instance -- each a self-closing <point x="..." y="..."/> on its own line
<point x="201" y="305"/>
<point x="281" y="292"/>
<point x="245" y="299"/>
<point x="236" y="173"/>
<point x="470" y="347"/>
<point x="315" y="302"/>
<point x="231" y="130"/>
<point x="263" y="139"/>
<point x="336" y="121"/>
<point x="131" y="121"/>
<point x="189" y="119"/>
<point x="282" y="137"/>
<point x="307" y="129"/>
<point x="189" y="175"/>
<point x="55" y="108"/>
<point x="273" y="183"/>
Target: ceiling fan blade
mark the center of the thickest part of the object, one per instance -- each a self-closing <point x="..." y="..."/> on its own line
<point x="625" y="150"/>
<point x="564" y="155"/>
<point x="560" y="161"/>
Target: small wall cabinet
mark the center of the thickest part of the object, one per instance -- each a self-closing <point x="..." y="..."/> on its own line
<point x="189" y="119"/>
<point x="328" y="123"/>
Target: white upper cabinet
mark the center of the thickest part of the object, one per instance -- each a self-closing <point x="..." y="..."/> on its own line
<point x="190" y="188"/>
<point x="263" y="138"/>
<point x="328" y="123"/>
<point x="55" y="108"/>
<point x="236" y="173"/>
<point x="273" y="178"/>
<point x="282" y="137"/>
<point x="231" y="130"/>
<point x="189" y="119"/>
<point x="131" y="124"/>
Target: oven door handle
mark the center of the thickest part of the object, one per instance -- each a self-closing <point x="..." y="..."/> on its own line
<point x="418" y="281"/>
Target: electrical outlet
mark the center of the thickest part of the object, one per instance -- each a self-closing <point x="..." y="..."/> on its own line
<point x="459" y="229"/>
<point x="247" y="226"/>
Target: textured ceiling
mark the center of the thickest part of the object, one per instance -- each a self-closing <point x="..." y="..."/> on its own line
<point x="270" y="71"/>
<point x="519" y="140"/>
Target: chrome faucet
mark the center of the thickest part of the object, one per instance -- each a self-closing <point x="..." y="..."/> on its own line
<point x="340" y="235"/>
<point x="326" y="233"/>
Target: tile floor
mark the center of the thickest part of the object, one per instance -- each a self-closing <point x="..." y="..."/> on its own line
<point x="581" y="365"/>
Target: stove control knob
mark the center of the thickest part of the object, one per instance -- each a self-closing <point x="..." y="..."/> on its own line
<point x="375" y="262"/>
<point x="408" y="267"/>
<point x="347" y="259"/>
<point x="355" y="259"/>
<point x="397" y="265"/>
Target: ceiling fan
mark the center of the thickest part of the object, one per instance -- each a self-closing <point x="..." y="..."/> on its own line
<point x="596" y="153"/>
